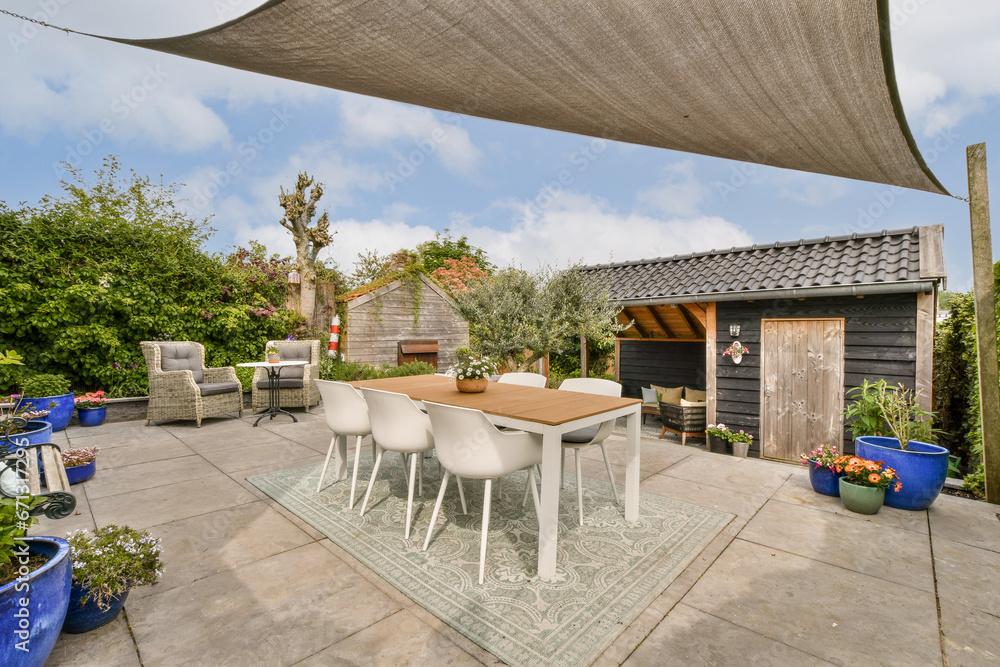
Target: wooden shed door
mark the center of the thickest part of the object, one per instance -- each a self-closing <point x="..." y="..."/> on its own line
<point x="802" y="388"/>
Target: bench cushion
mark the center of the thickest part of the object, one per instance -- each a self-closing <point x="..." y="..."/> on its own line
<point x="672" y="395"/>
<point x="181" y="358"/>
<point x="694" y="394"/>
<point x="213" y="388"/>
<point x="293" y="353"/>
<point x="648" y="395"/>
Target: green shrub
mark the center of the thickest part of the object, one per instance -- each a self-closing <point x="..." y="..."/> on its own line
<point x="45" y="384"/>
<point x="352" y="371"/>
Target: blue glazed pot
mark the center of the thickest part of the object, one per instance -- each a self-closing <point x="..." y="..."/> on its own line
<point x="77" y="474"/>
<point x="91" y="416"/>
<point x="824" y="480"/>
<point x="46" y="591"/>
<point x="59" y="414"/>
<point x="922" y="468"/>
<point x="37" y="432"/>
<point x="86" y="617"/>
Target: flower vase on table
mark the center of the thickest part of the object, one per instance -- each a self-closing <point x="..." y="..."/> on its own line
<point x="472" y="375"/>
<point x="472" y="386"/>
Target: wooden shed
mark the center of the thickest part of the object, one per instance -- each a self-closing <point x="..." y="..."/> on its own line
<point x="818" y="316"/>
<point x="405" y="320"/>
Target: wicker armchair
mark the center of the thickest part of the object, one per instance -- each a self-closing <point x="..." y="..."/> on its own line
<point x="181" y="387"/>
<point x="297" y="383"/>
<point x="684" y="420"/>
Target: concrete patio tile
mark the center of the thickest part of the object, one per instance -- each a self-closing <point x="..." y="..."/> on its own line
<point x="151" y="507"/>
<point x="275" y="611"/>
<point x="798" y="491"/>
<point x="971" y="637"/>
<point x="967" y="521"/>
<point x="134" y="436"/>
<point x="401" y="639"/>
<point x="110" y="646"/>
<point x="452" y="635"/>
<point x="688" y="636"/>
<point x="81" y="519"/>
<point x="818" y="608"/>
<point x="654" y="455"/>
<point x="697" y="493"/>
<point x="240" y="478"/>
<point x="210" y="426"/>
<point x="223" y="540"/>
<point x="851" y="542"/>
<point x="747" y="476"/>
<point x="968" y="575"/>
<point x="595" y="469"/>
<point x="207" y="443"/>
<point x="377" y="581"/>
<point x="252" y="454"/>
<point x="141" y="452"/>
<point x="126" y="479"/>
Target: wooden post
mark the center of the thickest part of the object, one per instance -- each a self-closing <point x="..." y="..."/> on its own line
<point x="986" y="324"/>
<point x="711" y="384"/>
<point x="583" y="356"/>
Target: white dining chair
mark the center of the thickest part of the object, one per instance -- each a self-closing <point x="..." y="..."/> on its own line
<point x="346" y="414"/>
<point x="398" y="425"/>
<point x="469" y="445"/>
<point x="525" y="379"/>
<point x="591" y="435"/>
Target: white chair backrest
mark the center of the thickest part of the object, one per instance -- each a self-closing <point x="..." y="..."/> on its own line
<point x="592" y="386"/>
<point x="397" y="423"/>
<point x="345" y="408"/>
<point x="526" y="379"/>
<point x="469" y="445"/>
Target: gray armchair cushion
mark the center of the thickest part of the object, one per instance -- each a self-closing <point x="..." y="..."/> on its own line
<point x="649" y="395"/>
<point x="283" y="383"/>
<point x="182" y="358"/>
<point x="213" y="388"/>
<point x="581" y="434"/>
<point x="293" y="353"/>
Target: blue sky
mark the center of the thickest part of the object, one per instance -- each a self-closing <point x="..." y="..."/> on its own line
<point x="394" y="174"/>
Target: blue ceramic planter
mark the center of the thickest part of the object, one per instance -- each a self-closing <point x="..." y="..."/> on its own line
<point x="86" y="617"/>
<point x="37" y="624"/>
<point x="921" y="467"/>
<point x="38" y="432"/>
<point x="59" y="414"/>
<point x="824" y="480"/>
<point x="77" y="474"/>
<point x="91" y="416"/>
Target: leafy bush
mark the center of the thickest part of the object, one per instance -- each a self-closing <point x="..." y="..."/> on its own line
<point x="45" y="384"/>
<point x="351" y="371"/>
<point x="85" y="277"/>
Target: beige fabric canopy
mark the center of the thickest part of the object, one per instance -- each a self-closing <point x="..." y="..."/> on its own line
<point x="800" y="84"/>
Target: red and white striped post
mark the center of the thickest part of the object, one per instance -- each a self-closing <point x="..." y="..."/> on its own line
<point x="334" y="336"/>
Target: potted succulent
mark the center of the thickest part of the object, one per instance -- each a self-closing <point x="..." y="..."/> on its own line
<point x="24" y="424"/>
<point x="91" y="408"/>
<point x="50" y="392"/>
<point x="823" y="473"/>
<point x="272" y="354"/>
<point x="472" y="374"/>
<point x="107" y="564"/>
<point x="889" y="426"/>
<point x="864" y="483"/>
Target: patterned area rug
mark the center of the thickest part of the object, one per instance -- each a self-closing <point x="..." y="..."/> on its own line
<point x="608" y="570"/>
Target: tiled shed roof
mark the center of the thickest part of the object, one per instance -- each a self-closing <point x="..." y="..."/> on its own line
<point x="879" y="258"/>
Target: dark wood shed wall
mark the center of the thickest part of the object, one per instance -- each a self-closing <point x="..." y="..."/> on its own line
<point x="879" y="339"/>
<point x="665" y="363"/>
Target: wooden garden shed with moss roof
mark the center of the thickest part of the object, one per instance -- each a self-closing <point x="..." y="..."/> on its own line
<point x="410" y="318"/>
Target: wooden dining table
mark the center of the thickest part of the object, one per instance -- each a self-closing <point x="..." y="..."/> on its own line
<point x="549" y="412"/>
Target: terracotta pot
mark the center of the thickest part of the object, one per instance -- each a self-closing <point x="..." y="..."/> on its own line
<point x="472" y="386"/>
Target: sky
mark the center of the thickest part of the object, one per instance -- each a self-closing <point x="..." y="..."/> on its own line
<point x="396" y="174"/>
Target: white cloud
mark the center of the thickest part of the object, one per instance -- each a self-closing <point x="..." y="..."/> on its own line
<point x="806" y="188"/>
<point x="679" y="193"/>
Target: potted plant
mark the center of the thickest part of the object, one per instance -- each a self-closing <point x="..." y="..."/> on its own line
<point x="23" y="424"/>
<point x="741" y="442"/>
<point x="736" y="351"/>
<point x="91" y="408"/>
<point x="272" y="354"/>
<point x="107" y="564"/>
<point x="863" y="485"/>
<point x="717" y="437"/>
<point x="472" y="375"/>
<point x="823" y="473"/>
<point x="49" y="392"/>
<point x="888" y="425"/>
<point x="80" y="464"/>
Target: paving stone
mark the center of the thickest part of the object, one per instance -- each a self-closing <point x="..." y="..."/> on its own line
<point x="252" y="455"/>
<point x="151" y="507"/>
<point x="141" y="452"/>
<point x="824" y="610"/>
<point x="126" y="479"/>
<point x="110" y="646"/>
<point x="81" y="519"/>
<point x="852" y="542"/>
<point x="207" y="443"/>
<point x="691" y="637"/>
<point x="960" y="574"/>
<point x="275" y="611"/>
<point x="212" y="425"/>
<point x="967" y="521"/>
<point x="122" y="438"/>
<point x="401" y="639"/>
<point x="654" y="456"/>
<point x="971" y="636"/>
<point x="747" y="476"/>
<point x="698" y="493"/>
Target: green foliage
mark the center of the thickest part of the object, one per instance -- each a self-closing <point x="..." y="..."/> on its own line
<point x="472" y="368"/>
<point x="351" y="371"/>
<point x="45" y="384"/>
<point x="114" y="559"/>
<point x="85" y="277"/>
<point x="879" y="409"/>
<point x="433" y="254"/>
<point x="14" y="523"/>
<point x="11" y="358"/>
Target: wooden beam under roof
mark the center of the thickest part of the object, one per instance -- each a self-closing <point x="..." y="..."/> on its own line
<point x="636" y="324"/>
<point x="660" y="322"/>
<point x="697" y="328"/>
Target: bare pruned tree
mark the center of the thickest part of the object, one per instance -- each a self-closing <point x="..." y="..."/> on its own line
<point x="299" y="212"/>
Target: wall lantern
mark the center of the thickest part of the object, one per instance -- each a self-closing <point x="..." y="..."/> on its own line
<point x="734" y="330"/>
<point x="293" y="277"/>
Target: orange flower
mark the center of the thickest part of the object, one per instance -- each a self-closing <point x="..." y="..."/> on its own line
<point x="898" y="486"/>
<point x="874" y="478"/>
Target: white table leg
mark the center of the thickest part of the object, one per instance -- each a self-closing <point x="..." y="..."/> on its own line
<point x="548" y="517"/>
<point x="632" y="467"/>
<point x="340" y="458"/>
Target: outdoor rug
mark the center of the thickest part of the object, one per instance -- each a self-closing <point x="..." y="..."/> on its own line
<point x="608" y="571"/>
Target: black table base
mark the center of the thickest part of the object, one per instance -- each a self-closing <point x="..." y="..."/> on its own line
<point x="274" y="397"/>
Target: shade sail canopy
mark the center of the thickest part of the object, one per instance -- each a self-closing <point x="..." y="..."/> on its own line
<point x="800" y="84"/>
